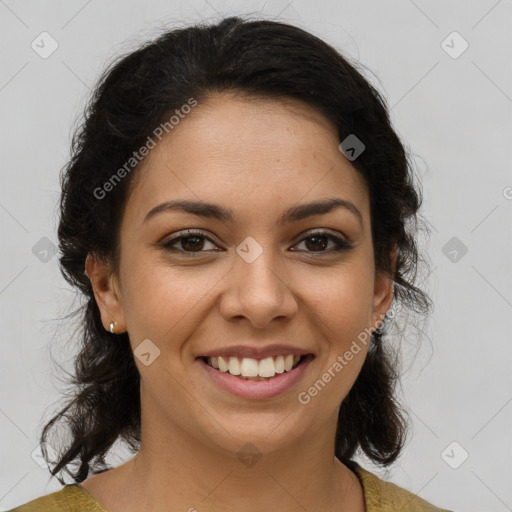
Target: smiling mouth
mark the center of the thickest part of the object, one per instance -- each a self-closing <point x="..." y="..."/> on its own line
<point x="252" y="369"/>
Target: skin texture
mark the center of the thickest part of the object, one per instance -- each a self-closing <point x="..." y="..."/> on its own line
<point x="257" y="157"/>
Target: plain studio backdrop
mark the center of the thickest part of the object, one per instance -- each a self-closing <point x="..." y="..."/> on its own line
<point x="443" y="68"/>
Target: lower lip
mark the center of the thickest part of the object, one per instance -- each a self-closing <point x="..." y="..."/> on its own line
<point x="258" y="389"/>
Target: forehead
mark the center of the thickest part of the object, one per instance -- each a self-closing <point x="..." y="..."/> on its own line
<point x="233" y="147"/>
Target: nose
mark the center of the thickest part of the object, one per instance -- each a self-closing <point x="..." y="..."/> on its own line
<point x="258" y="291"/>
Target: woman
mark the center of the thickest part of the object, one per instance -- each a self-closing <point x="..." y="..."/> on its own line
<point x="239" y="201"/>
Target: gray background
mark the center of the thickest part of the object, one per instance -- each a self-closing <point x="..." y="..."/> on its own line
<point x="452" y="109"/>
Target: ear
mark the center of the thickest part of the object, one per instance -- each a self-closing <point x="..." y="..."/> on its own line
<point x="106" y="292"/>
<point x="383" y="292"/>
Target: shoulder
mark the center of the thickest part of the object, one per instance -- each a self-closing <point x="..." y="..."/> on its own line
<point x="385" y="496"/>
<point x="70" y="498"/>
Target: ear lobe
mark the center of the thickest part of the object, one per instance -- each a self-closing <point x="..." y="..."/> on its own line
<point x="384" y="290"/>
<point x="105" y="288"/>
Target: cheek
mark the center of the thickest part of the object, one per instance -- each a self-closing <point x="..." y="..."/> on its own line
<point x="342" y="304"/>
<point x="162" y="302"/>
<point x="342" y="298"/>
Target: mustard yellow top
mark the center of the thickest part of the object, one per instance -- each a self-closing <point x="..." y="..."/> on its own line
<point x="380" y="496"/>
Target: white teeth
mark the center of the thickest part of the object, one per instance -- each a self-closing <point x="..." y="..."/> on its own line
<point x="248" y="367"/>
<point x="266" y="368"/>
<point x="279" y="364"/>
<point x="234" y="367"/>
<point x="223" y="366"/>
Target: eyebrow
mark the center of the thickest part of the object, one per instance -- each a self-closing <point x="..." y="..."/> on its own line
<point x="293" y="214"/>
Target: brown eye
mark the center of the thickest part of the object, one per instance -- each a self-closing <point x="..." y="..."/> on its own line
<point x="187" y="244"/>
<point x="194" y="243"/>
<point x="317" y="242"/>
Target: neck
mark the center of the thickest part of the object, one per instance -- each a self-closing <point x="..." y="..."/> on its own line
<point x="193" y="476"/>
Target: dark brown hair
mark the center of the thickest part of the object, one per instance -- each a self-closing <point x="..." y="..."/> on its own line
<point x="141" y="90"/>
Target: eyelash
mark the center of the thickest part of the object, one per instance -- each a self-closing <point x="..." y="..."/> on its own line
<point x="341" y="244"/>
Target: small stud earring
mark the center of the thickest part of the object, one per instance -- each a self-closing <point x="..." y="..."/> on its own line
<point x="113" y="327"/>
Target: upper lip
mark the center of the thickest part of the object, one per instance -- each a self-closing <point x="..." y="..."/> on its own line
<point x="256" y="352"/>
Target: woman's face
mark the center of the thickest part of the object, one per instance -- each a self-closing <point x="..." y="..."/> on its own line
<point x="254" y="280"/>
